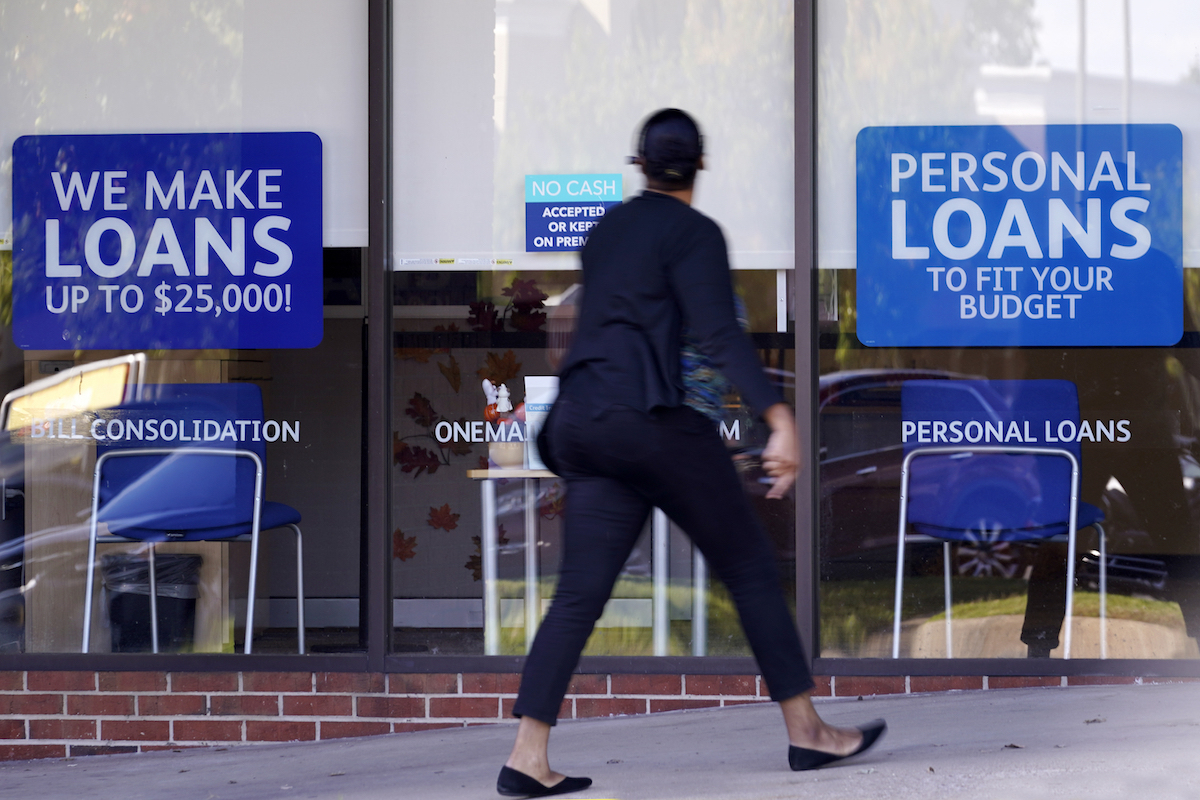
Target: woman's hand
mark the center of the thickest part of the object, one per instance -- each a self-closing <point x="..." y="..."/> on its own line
<point x="781" y="456"/>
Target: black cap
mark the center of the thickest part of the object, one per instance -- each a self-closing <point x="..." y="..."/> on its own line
<point x="669" y="148"/>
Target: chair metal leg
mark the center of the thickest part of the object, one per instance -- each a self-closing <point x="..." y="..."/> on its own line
<point x="533" y="595"/>
<point x="299" y="587"/>
<point x="489" y="560"/>
<point x="91" y="577"/>
<point x="1103" y="590"/>
<point x="153" y="601"/>
<point x="699" y="603"/>
<point x="253" y="590"/>
<point x="1068" y="622"/>
<point x="946" y="590"/>
<point x="899" y="597"/>
<point x="661" y="625"/>
<point x="900" y="556"/>
<point x="93" y="532"/>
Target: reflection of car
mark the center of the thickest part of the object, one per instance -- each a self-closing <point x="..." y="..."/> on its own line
<point x="860" y="471"/>
<point x="861" y="454"/>
<point x="87" y="387"/>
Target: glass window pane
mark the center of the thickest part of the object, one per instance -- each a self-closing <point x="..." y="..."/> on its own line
<point x="164" y="97"/>
<point x="1013" y="70"/>
<point x="461" y="465"/>
<point x="557" y="89"/>
<point x="64" y="410"/>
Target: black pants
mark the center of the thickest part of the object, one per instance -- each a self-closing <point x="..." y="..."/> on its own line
<point x="1046" y="605"/>
<point x="617" y="468"/>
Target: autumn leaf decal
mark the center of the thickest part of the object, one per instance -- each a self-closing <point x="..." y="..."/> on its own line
<point x="421" y="355"/>
<point x="485" y="317"/>
<point x="421" y="410"/>
<point x="526" y="292"/>
<point x="452" y="373"/>
<point x="475" y="561"/>
<point x="525" y="312"/>
<point x="443" y="518"/>
<point x="403" y="547"/>
<point x="553" y="504"/>
<point x="416" y="459"/>
<point x="527" y="321"/>
<point x="500" y="369"/>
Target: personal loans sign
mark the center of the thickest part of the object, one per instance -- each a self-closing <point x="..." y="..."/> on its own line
<point x="1056" y="235"/>
<point x="167" y="241"/>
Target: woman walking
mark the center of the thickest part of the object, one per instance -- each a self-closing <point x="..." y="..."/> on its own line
<point x="622" y="437"/>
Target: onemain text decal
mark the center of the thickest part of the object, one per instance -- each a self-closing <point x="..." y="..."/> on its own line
<point x="989" y="236"/>
<point x="478" y="430"/>
<point x="167" y="241"/>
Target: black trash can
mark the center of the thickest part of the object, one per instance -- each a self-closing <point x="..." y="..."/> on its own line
<point x="127" y="586"/>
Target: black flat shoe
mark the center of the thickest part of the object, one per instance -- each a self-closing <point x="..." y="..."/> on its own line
<point x="513" y="783"/>
<point x="801" y="758"/>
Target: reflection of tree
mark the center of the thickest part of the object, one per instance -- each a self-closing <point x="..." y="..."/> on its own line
<point x="1193" y="72"/>
<point x="881" y="62"/>
<point x="76" y="66"/>
<point x="5" y="300"/>
<point x="63" y="55"/>
<point x="1003" y="31"/>
<point x="898" y="62"/>
<point x="6" y="288"/>
<point x="892" y="62"/>
<point x="726" y="61"/>
<point x="73" y="63"/>
<point x="523" y="311"/>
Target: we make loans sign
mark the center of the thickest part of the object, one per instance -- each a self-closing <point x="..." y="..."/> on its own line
<point x="1056" y="235"/>
<point x="167" y="241"/>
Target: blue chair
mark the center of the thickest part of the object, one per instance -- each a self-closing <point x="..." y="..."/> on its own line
<point x="185" y="466"/>
<point x="993" y="461"/>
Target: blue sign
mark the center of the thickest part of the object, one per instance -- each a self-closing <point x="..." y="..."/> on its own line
<point x="992" y="236"/>
<point x="560" y="210"/>
<point x="167" y="241"/>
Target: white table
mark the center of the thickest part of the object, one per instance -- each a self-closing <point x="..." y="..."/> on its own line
<point x="490" y="545"/>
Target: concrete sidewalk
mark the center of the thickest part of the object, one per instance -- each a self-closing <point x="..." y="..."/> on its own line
<point x="1081" y="742"/>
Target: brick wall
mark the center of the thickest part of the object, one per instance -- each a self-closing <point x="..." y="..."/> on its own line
<point x="57" y="714"/>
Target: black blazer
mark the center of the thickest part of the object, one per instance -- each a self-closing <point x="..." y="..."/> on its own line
<point x="653" y="266"/>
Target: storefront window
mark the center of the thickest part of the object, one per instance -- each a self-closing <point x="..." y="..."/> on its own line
<point x="1084" y="113"/>
<point x="182" y="224"/>
<point x="55" y="428"/>
<point x="535" y="115"/>
<point x="456" y="456"/>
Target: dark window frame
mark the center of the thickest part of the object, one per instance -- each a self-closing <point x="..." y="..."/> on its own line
<point x="376" y="622"/>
